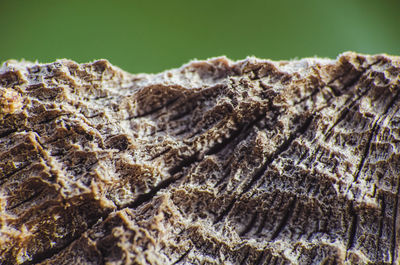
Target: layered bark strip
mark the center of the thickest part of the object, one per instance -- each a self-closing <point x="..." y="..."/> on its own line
<point x="217" y="162"/>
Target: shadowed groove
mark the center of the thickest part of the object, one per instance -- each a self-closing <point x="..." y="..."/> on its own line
<point x="155" y="110"/>
<point x="181" y="258"/>
<point x="374" y="131"/>
<point x="285" y="219"/>
<point x="364" y="156"/>
<point x="349" y="106"/>
<point x="226" y="211"/>
<point x="33" y="196"/>
<point x="239" y="134"/>
<point x="250" y="225"/>
<point x="259" y="258"/>
<point x="146" y="197"/>
<point x="15" y="171"/>
<point x="353" y="227"/>
<point x="282" y="148"/>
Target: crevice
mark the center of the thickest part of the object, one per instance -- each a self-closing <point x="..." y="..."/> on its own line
<point x="206" y="95"/>
<point x="242" y="131"/>
<point x="262" y="223"/>
<point x="353" y="81"/>
<point x="160" y="153"/>
<point x="226" y="211"/>
<point x="216" y="121"/>
<point x="343" y="114"/>
<point x="39" y="258"/>
<point x="145" y="197"/>
<point x="347" y="108"/>
<point x="52" y="118"/>
<point x="300" y="131"/>
<point x="250" y="225"/>
<point x="181" y="115"/>
<point x="349" y="84"/>
<point x="33" y="196"/>
<point x="392" y="102"/>
<point x="259" y="259"/>
<point x="150" y="112"/>
<point x="336" y="93"/>
<point x="288" y="214"/>
<point x="215" y="148"/>
<point x="221" y="180"/>
<point x="353" y="227"/>
<point x="181" y="258"/>
<point x="366" y="152"/>
<point x="15" y="171"/>
<point x="220" y="146"/>
<point x="184" y="163"/>
<point x="282" y="148"/>
<point x="315" y="92"/>
<point x="243" y="135"/>
<point x="375" y="129"/>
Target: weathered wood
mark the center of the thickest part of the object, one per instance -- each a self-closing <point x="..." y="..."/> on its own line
<point x="217" y="162"/>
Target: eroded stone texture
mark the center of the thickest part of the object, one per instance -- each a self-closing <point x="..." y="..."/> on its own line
<point x="217" y="162"/>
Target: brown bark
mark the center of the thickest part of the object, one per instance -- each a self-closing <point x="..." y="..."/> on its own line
<point x="217" y="162"/>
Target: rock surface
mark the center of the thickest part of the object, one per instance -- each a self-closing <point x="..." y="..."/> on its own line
<point x="217" y="162"/>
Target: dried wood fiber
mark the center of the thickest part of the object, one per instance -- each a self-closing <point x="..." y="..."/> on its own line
<point x="217" y="162"/>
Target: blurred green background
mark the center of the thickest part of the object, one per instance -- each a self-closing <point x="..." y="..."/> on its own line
<point x="151" y="36"/>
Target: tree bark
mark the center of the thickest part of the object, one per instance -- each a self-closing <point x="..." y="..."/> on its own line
<point x="217" y="162"/>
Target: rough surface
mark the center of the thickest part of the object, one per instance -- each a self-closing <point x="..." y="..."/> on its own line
<point x="217" y="162"/>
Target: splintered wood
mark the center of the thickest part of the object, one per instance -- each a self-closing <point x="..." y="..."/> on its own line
<point x="217" y="162"/>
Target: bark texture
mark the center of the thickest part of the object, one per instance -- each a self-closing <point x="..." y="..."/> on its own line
<point x="217" y="162"/>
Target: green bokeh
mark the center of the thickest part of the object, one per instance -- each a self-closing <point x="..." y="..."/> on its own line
<point x="151" y="36"/>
